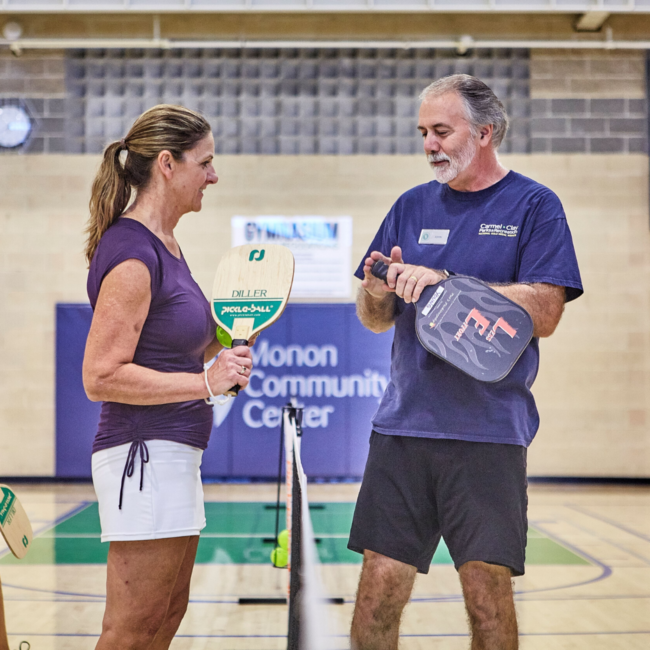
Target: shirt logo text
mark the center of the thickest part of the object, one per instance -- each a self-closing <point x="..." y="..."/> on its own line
<point x="498" y="229"/>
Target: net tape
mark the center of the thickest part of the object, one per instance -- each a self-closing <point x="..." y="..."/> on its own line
<point x="309" y="624"/>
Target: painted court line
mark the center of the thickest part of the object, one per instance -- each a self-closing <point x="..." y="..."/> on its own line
<point x="606" y="540"/>
<point x="607" y="520"/>
<point x="606" y="571"/>
<point x="345" y="636"/>
<point x="51" y="591"/>
<point x="229" y="599"/>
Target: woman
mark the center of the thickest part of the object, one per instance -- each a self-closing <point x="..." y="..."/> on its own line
<point x="151" y="333"/>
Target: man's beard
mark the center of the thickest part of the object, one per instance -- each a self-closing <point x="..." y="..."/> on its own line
<point x="459" y="163"/>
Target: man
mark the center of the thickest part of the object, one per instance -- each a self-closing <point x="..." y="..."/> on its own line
<point x="448" y="453"/>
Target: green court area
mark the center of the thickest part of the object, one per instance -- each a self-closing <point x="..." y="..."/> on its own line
<point x="242" y="533"/>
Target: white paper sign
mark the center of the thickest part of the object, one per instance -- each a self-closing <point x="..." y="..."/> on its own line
<point x="321" y="246"/>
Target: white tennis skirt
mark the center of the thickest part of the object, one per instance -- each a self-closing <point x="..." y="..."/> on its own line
<point x="170" y="503"/>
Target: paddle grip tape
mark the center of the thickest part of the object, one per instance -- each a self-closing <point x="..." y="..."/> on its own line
<point x="380" y="270"/>
<point x="235" y="342"/>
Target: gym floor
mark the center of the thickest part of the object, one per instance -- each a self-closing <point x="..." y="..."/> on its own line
<point x="586" y="582"/>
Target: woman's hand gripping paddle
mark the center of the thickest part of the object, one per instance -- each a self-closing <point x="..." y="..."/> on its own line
<point x="251" y="289"/>
<point x="14" y="523"/>
<point x="469" y="325"/>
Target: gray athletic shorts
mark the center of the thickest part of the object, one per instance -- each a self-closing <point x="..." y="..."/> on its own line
<point x="417" y="490"/>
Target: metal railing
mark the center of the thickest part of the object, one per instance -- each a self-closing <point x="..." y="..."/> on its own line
<point x="448" y="6"/>
<point x="461" y="45"/>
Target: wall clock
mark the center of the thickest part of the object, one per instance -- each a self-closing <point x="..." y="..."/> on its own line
<point x="15" y="126"/>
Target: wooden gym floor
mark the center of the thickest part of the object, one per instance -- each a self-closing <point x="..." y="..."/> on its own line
<point x="587" y="582"/>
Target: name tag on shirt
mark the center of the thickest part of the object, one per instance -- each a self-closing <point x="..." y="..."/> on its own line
<point x="438" y="237"/>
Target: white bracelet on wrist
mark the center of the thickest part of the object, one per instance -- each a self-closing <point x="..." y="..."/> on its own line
<point x="207" y="384"/>
<point x="221" y="399"/>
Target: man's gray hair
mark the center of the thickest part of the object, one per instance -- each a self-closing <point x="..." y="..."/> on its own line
<point x="482" y="105"/>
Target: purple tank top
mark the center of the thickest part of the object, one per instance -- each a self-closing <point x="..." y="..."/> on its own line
<point x="174" y="337"/>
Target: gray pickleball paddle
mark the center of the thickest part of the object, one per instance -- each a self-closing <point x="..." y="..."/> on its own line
<point x="466" y="323"/>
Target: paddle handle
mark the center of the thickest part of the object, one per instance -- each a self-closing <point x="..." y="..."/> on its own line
<point x="234" y="391"/>
<point x="380" y="270"/>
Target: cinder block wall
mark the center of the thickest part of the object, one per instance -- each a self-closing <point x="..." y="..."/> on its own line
<point x="588" y="102"/>
<point x="37" y="79"/>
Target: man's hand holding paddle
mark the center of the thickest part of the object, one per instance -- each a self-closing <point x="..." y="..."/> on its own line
<point x="405" y="280"/>
<point x="463" y="321"/>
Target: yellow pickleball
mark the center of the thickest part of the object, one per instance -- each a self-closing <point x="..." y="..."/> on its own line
<point x="223" y="337"/>
<point x="279" y="557"/>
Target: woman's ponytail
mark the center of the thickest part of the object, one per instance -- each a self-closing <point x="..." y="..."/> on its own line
<point x="109" y="197"/>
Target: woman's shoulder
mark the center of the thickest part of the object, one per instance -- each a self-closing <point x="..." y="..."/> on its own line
<point x="125" y="239"/>
<point x="127" y="236"/>
<point x="128" y="231"/>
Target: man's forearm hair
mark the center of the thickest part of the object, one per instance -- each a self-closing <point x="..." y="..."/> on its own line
<point x="544" y="302"/>
<point x="377" y="314"/>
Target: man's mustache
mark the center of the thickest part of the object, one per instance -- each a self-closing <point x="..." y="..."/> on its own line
<point x="438" y="157"/>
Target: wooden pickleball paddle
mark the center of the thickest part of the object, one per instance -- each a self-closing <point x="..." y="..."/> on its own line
<point x="251" y="289"/>
<point x="466" y="323"/>
<point x="14" y="523"/>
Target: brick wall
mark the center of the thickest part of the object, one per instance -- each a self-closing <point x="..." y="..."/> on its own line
<point x="37" y="80"/>
<point x="587" y="73"/>
<point x="588" y="102"/>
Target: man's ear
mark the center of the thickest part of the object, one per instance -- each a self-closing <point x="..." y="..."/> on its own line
<point x="485" y="135"/>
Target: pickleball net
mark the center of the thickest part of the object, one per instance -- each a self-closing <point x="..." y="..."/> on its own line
<point x="309" y="622"/>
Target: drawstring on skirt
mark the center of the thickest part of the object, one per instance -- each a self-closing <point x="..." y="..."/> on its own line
<point x="129" y="467"/>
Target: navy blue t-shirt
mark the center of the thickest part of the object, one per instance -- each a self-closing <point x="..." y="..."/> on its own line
<point x="513" y="231"/>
